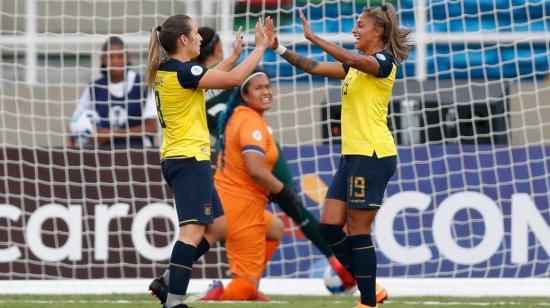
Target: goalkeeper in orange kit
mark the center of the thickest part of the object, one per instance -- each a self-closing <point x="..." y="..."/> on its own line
<point x="244" y="181"/>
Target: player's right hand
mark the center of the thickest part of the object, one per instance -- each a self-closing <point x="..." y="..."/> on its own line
<point x="308" y="33"/>
<point x="261" y="38"/>
<point x="272" y="40"/>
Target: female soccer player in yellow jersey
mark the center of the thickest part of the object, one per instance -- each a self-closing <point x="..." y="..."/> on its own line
<point x="368" y="149"/>
<point x="179" y="85"/>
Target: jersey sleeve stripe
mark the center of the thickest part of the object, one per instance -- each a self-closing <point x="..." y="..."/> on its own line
<point x="253" y="148"/>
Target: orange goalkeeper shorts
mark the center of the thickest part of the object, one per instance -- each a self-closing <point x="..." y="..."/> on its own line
<point x="247" y="224"/>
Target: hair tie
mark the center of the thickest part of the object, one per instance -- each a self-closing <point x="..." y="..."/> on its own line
<point x="159" y="28"/>
<point x="384" y="7"/>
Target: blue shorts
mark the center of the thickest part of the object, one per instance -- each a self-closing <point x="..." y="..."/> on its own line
<point x="197" y="201"/>
<point x="361" y="180"/>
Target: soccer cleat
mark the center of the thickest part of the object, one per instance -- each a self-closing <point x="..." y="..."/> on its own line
<point x="347" y="279"/>
<point x="381" y="294"/>
<point x="214" y="292"/>
<point x="261" y="297"/>
<point x="159" y="289"/>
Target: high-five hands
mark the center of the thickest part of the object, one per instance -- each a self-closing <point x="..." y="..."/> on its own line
<point x="306" y="28"/>
<point x="260" y="36"/>
<point x="238" y="44"/>
<point x="272" y="40"/>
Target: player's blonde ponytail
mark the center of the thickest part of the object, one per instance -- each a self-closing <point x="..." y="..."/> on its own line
<point x="154" y="57"/>
<point x="394" y="37"/>
<point x="163" y="43"/>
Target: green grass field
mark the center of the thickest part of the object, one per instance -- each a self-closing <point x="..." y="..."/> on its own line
<point x="138" y="301"/>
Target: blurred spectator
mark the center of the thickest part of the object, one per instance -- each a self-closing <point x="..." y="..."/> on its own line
<point x="126" y="116"/>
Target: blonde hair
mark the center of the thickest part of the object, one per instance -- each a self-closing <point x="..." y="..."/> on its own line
<point x="394" y="37"/>
<point x="164" y="42"/>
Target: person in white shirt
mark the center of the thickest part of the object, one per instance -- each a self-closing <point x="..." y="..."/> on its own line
<point x="126" y="111"/>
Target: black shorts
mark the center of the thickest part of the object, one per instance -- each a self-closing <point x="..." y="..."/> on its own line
<point x="196" y="199"/>
<point x="361" y="180"/>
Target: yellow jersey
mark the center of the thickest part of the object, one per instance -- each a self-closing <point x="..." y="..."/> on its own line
<point x="181" y="110"/>
<point x="365" y="100"/>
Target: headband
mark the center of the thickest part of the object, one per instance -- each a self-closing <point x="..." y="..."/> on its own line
<point x="248" y="80"/>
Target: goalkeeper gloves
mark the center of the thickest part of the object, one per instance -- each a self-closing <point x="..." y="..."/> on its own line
<point x="288" y="200"/>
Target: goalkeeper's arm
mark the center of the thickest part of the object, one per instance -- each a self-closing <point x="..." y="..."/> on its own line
<point x="279" y="192"/>
<point x="255" y="167"/>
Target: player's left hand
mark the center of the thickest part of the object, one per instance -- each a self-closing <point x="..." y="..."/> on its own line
<point x="308" y="33"/>
<point x="238" y="44"/>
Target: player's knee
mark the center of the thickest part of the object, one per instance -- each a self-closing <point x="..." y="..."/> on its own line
<point x="360" y="221"/>
<point x="216" y="231"/>
<point x="276" y="230"/>
<point x="332" y="233"/>
<point x="191" y="234"/>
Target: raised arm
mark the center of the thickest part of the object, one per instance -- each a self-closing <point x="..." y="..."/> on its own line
<point x="326" y="69"/>
<point x="228" y="63"/>
<point x="216" y="79"/>
<point x="364" y="63"/>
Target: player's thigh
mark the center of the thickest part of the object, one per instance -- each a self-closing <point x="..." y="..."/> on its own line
<point x="334" y="206"/>
<point x="334" y="212"/>
<point x="245" y="235"/>
<point x="368" y="177"/>
<point x="191" y="184"/>
<point x="246" y="251"/>
<point x="216" y="230"/>
<point x="338" y="188"/>
<point x="359" y="221"/>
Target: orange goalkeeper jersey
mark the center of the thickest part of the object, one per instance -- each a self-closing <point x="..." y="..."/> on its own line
<point x="246" y="131"/>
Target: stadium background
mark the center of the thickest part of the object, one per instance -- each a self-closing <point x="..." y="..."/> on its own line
<point x="469" y="113"/>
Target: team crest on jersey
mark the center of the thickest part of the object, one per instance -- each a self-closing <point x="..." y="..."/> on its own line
<point x="257" y="135"/>
<point x="381" y="56"/>
<point x="196" y="70"/>
<point x="207" y="209"/>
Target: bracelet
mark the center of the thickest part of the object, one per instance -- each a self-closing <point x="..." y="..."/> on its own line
<point x="280" y="50"/>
